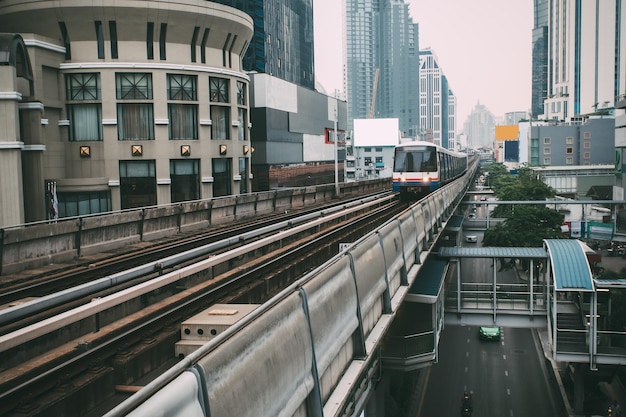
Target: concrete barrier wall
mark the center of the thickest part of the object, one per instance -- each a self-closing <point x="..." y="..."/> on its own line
<point x="103" y="233"/>
<point x="266" y="370"/>
<point x="392" y="243"/>
<point x="332" y="301"/>
<point x="195" y="215"/>
<point x="369" y="270"/>
<point x="410" y="239"/>
<point x="420" y="225"/>
<point x="159" y="222"/>
<point x="38" y="244"/>
<point x="180" y="398"/>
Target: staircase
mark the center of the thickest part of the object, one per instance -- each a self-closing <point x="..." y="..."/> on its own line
<point x="571" y="334"/>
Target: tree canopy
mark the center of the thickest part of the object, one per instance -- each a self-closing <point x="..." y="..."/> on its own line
<point x="524" y="225"/>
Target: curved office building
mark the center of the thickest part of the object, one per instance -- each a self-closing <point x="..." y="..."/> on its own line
<point x="119" y="104"/>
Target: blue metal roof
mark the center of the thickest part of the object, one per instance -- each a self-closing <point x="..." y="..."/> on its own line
<point x="455" y="222"/>
<point x="492" y="252"/>
<point x="430" y="278"/>
<point x="570" y="267"/>
<point x="569" y="264"/>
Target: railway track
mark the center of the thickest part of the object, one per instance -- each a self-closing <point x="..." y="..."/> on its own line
<point x="74" y="361"/>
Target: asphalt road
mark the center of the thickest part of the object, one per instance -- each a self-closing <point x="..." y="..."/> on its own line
<point x="507" y="378"/>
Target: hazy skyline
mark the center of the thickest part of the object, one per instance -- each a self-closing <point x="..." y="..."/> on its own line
<point x="483" y="47"/>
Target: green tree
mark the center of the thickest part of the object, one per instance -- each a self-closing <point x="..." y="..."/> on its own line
<point x="525" y="226"/>
<point x="525" y="187"/>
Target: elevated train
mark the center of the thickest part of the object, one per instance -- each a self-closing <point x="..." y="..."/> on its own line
<point x="419" y="168"/>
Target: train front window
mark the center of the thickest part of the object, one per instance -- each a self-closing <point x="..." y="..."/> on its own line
<point x="419" y="159"/>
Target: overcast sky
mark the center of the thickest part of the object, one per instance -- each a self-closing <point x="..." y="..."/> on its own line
<point x="483" y="47"/>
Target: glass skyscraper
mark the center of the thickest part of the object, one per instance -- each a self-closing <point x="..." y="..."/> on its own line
<point x="282" y="45"/>
<point x="382" y="63"/>
<point x="586" y="62"/>
<point x="539" y="57"/>
<point x="437" y="102"/>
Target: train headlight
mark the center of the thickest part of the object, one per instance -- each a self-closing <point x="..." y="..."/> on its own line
<point x="426" y="178"/>
<point x="403" y="178"/>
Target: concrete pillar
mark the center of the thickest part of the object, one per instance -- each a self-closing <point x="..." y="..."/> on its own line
<point x="36" y="205"/>
<point x="11" y="192"/>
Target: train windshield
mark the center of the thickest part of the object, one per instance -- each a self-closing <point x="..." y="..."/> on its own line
<point x="415" y="159"/>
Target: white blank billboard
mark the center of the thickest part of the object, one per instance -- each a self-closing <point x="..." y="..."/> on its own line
<point x="376" y="132"/>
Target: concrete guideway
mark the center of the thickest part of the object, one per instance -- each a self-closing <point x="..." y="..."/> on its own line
<point x="320" y="335"/>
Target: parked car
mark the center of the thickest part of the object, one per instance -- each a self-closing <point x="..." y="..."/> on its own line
<point x="471" y="238"/>
<point x="489" y="333"/>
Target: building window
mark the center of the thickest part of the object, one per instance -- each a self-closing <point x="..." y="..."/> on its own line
<point x="586" y="145"/>
<point x="546" y="151"/>
<point x="84" y="109"/>
<point x="99" y="39"/>
<point x="569" y="160"/>
<point x="378" y="149"/>
<point x="150" y="40"/>
<point x="221" y="177"/>
<point x="587" y="135"/>
<point x="82" y="204"/>
<point x="135" y="121"/>
<point x="546" y="161"/>
<point x="83" y="86"/>
<point x="162" y="41"/>
<point x="194" y="40"/>
<point x="367" y="149"/>
<point x="569" y="150"/>
<point x="205" y="38"/>
<point x="243" y="172"/>
<point x="181" y="87"/>
<point x="241" y="93"/>
<point x="183" y="117"/>
<point x="220" y="126"/>
<point x="546" y="141"/>
<point x="184" y="174"/>
<point x="587" y="155"/>
<point x="218" y="90"/>
<point x="137" y="184"/>
<point x="241" y="129"/>
<point x="66" y="40"/>
<point x="183" y="123"/>
<point x="130" y="86"/>
<point x="569" y="140"/>
<point x="113" y="35"/>
<point x="85" y="122"/>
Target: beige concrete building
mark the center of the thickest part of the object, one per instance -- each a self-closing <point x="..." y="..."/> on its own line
<point x="120" y="105"/>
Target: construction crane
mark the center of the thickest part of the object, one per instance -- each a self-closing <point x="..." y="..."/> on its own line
<point x="374" y="90"/>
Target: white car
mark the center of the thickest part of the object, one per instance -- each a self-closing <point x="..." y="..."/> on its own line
<point x="471" y="238"/>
